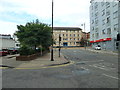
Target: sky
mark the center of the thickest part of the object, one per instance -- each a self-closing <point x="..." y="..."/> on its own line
<point x="67" y="13"/>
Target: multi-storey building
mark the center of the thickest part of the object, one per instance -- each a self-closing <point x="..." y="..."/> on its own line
<point x="70" y="36"/>
<point x="104" y="24"/>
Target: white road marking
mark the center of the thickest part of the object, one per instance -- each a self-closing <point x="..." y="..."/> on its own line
<point x="99" y="67"/>
<point x="90" y="61"/>
<point x="84" y="68"/>
<point x="110" y="76"/>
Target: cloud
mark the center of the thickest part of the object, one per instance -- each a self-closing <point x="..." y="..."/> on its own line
<point x="66" y="12"/>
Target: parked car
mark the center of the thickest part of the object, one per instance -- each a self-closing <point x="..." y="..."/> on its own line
<point x="13" y="51"/>
<point x="3" y="52"/>
<point x="98" y="47"/>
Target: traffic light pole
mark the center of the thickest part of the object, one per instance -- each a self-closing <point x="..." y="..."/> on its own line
<point x="52" y="35"/>
<point x="59" y="44"/>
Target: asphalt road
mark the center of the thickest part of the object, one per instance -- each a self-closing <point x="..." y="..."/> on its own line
<point x="89" y="70"/>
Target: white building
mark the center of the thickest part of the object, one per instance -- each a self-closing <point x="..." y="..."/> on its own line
<point x="104" y="24"/>
<point x="6" y="42"/>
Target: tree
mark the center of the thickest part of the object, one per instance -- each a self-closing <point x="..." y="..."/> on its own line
<point x="34" y="34"/>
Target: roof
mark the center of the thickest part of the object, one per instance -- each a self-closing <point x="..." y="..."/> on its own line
<point x="66" y="28"/>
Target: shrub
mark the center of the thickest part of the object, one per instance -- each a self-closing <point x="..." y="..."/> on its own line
<point x="25" y="50"/>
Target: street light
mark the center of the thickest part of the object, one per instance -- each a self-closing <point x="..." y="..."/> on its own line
<point x="85" y="35"/>
<point x="52" y="35"/>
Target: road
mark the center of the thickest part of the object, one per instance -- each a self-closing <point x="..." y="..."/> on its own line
<point x="89" y="70"/>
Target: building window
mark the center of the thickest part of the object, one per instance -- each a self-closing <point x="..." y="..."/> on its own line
<point x="97" y="35"/>
<point x="74" y="35"/>
<point x="66" y="34"/>
<point x="107" y="13"/>
<point x="74" y="43"/>
<point x="115" y="14"/>
<point x="103" y="12"/>
<point x="70" y="35"/>
<point x="96" y="21"/>
<point x="108" y="21"/>
<point x="96" y="30"/>
<point x="102" y="3"/>
<point x="92" y="28"/>
<point x="96" y="6"/>
<point x="103" y="31"/>
<point x="109" y="31"/>
<point x="103" y="22"/>
<point x="96" y="14"/>
<point x="107" y="4"/>
<point x="115" y="4"/>
<point x="116" y="27"/>
<point x="92" y="35"/>
<point x="92" y="21"/>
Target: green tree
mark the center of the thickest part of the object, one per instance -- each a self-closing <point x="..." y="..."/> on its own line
<point x="34" y="34"/>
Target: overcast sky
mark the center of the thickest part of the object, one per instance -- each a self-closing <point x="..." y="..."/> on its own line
<point x="67" y="13"/>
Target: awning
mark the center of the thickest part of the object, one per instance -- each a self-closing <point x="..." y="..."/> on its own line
<point x="101" y="40"/>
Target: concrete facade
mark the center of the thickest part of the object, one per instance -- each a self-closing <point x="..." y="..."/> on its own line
<point x="104" y="24"/>
<point x="69" y="36"/>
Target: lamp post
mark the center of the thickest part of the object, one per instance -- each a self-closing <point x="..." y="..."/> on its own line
<point x="52" y="35"/>
<point x="84" y="34"/>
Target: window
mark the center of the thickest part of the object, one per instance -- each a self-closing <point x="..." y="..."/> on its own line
<point x="103" y="12"/>
<point x="107" y="4"/>
<point x="108" y="30"/>
<point x="74" y="35"/>
<point x="103" y="22"/>
<point x="108" y="20"/>
<point x="115" y="4"/>
<point x="74" y="43"/>
<point x="116" y="27"/>
<point x="96" y="14"/>
<point x="96" y="5"/>
<point x="96" y="30"/>
<point x="102" y="3"/>
<point x="97" y="35"/>
<point x="92" y="21"/>
<point x="92" y="35"/>
<point x="103" y="31"/>
<point x="115" y="14"/>
<point x="96" y="21"/>
<point x="107" y="13"/>
<point x="93" y="28"/>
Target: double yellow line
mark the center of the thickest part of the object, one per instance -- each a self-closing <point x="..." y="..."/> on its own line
<point x="71" y="62"/>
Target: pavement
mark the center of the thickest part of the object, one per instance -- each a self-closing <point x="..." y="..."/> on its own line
<point x="103" y="51"/>
<point x="42" y="61"/>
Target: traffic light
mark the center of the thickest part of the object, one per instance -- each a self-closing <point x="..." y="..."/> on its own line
<point x="118" y="37"/>
<point x="59" y="38"/>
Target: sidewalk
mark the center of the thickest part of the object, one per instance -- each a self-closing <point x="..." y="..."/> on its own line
<point x="42" y="61"/>
<point x="100" y="51"/>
